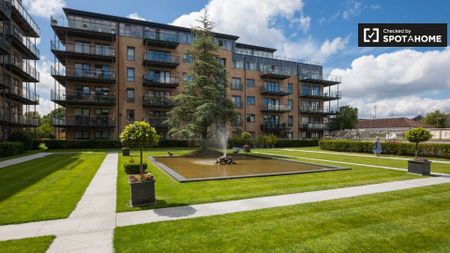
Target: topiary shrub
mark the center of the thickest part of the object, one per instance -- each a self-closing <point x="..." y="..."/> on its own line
<point x="418" y="135"/>
<point x="23" y="137"/>
<point x="133" y="168"/>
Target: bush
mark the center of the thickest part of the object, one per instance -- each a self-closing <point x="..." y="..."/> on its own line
<point x="236" y="141"/>
<point x="172" y="143"/>
<point x="437" y="150"/>
<point x="23" y="137"/>
<point x="296" y="143"/>
<point x="133" y="168"/>
<point x="271" y="140"/>
<point x="11" y="148"/>
<point x="63" y="144"/>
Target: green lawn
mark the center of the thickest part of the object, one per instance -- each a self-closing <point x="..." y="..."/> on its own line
<point x="29" y="245"/>
<point x="414" y="220"/>
<point x="435" y="166"/>
<point x="29" y="152"/>
<point x="45" y="188"/>
<point x="169" y="192"/>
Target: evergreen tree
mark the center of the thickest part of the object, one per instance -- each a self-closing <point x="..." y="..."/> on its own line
<point x="346" y="119"/>
<point x="203" y="107"/>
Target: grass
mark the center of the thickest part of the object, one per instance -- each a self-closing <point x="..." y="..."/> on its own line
<point x="45" y="188"/>
<point x="169" y="192"/>
<point x="414" y="220"/>
<point x="29" y="152"/>
<point x="29" y="245"/>
<point x="436" y="167"/>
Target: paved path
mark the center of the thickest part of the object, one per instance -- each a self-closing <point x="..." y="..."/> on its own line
<point x="359" y="155"/>
<point x="184" y="212"/>
<point x="22" y="159"/>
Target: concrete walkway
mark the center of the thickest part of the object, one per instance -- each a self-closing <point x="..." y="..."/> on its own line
<point x="22" y="159"/>
<point x="358" y="155"/>
<point x="184" y="212"/>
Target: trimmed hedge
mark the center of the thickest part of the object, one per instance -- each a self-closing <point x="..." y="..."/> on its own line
<point x="22" y="136"/>
<point x="296" y="143"/>
<point x="437" y="150"/>
<point x="133" y="168"/>
<point x="11" y="148"/>
<point x="63" y="144"/>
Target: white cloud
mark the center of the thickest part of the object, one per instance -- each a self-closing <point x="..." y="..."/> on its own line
<point x="353" y="9"/>
<point x="331" y="47"/>
<point x="256" y="26"/>
<point x="44" y="8"/>
<point x="404" y="82"/>
<point x="45" y="106"/>
<point x="46" y="82"/>
<point x="136" y="16"/>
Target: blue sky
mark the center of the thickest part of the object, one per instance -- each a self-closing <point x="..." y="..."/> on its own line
<point x="404" y="81"/>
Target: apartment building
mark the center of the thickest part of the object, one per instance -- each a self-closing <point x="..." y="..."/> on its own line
<point x="18" y="74"/>
<point x="110" y="71"/>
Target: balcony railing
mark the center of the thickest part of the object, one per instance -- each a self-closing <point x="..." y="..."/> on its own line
<point x="161" y="39"/>
<point x="83" y="49"/>
<point x="23" y="66"/>
<point x="24" y="120"/>
<point x="318" y="110"/>
<point x="276" y="108"/>
<point x="23" y="94"/>
<point x="314" y="126"/>
<point x="4" y="44"/>
<point x="17" y="5"/>
<point x="278" y="91"/>
<point x="85" y="24"/>
<point x="320" y="95"/>
<point x="64" y="97"/>
<point x="153" y="101"/>
<point x="87" y="74"/>
<point x="274" y="72"/>
<point x="5" y="8"/>
<point x="100" y="121"/>
<point x="319" y="78"/>
<point x="157" y="122"/>
<point x="18" y="36"/>
<point x="153" y="79"/>
<point x="161" y="59"/>
<point x="274" y="125"/>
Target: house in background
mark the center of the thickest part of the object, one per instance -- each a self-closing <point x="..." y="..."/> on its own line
<point x="389" y="126"/>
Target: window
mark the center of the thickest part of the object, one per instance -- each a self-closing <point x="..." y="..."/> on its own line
<point x="290" y="88"/>
<point x="81" y="111"/>
<point x="290" y="120"/>
<point x="130" y="116"/>
<point x="130" y="95"/>
<point x="102" y="90"/>
<point x="290" y="104"/>
<point x="272" y="86"/>
<point x="236" y="83"/>
<point x="251" y="100"/>
<point x="187" y="58"/>
<point x="82" y="135"/>
<point x="250" y="65"/>
<point x="130" y="74"/>
<point x="186" y="77"/>
<point x="238" y="64"/>
<point x="250" y="83"/>
<point x="82" y="90"/>
<point x="290" y="135"/>
<point x="82" y="69"/>
<point x="131" y="54"/>
<point x="223" y="61"/>
<point x="103" y="135"/>
<point x="251" y="118"/>
<point x="102" y="112"/>
<point x="81" y="47"/>
<point x="238" y="120"/>
<point x="236" y="101"/>
<point x="103" y="50"/>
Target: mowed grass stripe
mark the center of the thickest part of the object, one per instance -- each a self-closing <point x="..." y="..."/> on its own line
<point x="29" y="245"/>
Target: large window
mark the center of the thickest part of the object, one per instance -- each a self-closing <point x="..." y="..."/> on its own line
<point x="290" y="88"/>
<point x="250" y="83"/>
<point x="131" y="54"/>
<point x="187" y="58"/>
<point x="130" y="74"/>
<point x="102" y="135"/>
<point x="251" y="100"/>
<point x="130" y="95"/>
<point x="236" y="101"/>
<point x="82" y="135"/>
<point x="238" y="64"/>
<point x="251" y="118"/>
<point x="236" y="83"/>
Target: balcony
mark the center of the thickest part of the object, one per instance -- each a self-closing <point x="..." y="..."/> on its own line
<point x="90" y="121"/>
<point x="5" y="9"/>
<point x="275" y="91"/>
<point x="27" y="47"/>
<point x="157" y="102"/>
<point x="5" y="79"/>
<point x="77" y="98"/>
<point x="318" y="110"/>
<point x="63" y="75"/>
<point x="67" y="49"/>
<point x="24" y="121"/>
<point x="274" y="126"/>
<point x="22" y="94"/>
<point x="325" y="96"/>
<point x="270" y="72"/>
<point x="5" y="46"/>
<point x="156" y="80"/>
<point x="158" y="122"/>
<point x="314" y="126"/>
<point x="23" y="19"/>
<point x="314" y="78"/>
<point x="276" y="108"/>
<point x="90" y="29"/>
<point x="20" y="67"/>
<point x="161" y="39"/>
<point x="162" y="60"/>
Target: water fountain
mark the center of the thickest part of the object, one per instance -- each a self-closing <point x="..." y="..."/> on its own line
<point x="222" y="137"/>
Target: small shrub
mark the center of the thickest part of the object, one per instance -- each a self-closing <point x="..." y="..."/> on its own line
<point x="23" y="137"/>
<point x="271" y="140"/>
<point x="133" y="168"/>
<point x="296" y="143"/>
<point x="416" y="136"/>
<point x="11" y="148"/>
<point x="260" y="141"/>
<point x="236" y="141"/>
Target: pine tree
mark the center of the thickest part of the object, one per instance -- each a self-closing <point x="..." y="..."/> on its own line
<point x="203" y="106"/>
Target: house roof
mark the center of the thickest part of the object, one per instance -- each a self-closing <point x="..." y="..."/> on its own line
<point x="390" y="122"/>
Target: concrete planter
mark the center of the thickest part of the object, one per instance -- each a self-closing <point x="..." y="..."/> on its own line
<point x="247" y="148"/>
<point x="419" y="167"/>
<point x="143" y="193"/>
<point x="126" y="152"/>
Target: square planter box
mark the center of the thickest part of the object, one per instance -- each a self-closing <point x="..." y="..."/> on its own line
<point x="419" y="167"/>
<point x="125" y="152"/>
<point x="143" y="193"/>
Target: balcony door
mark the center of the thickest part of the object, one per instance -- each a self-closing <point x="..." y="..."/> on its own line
<point x="82" y="116"/>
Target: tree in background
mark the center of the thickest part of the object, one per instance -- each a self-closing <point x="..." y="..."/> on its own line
<point x="436" y="119"/>
<point x="203" y="107"/>
<point x="346" y="119"/>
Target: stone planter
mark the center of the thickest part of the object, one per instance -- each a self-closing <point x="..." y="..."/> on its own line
<point x="143" y="193"/>
<point x="126" y="152"/>
<point x="247" y="148"/>
<point x="419" y="167"/>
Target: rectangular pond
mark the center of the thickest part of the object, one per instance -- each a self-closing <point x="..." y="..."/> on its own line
<point x="185" y="169"/>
